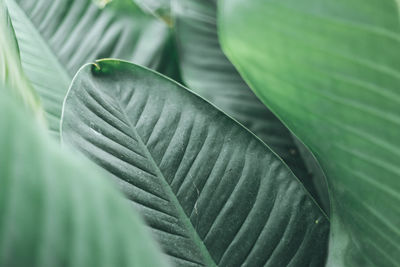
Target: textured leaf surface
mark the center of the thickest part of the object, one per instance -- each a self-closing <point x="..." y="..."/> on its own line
<point x="333" y="67"/>
<point x="56" y="210"/>
<point x="207" y="71"/>
<point x="213" y="193"/>
<point x="57" y="37"/>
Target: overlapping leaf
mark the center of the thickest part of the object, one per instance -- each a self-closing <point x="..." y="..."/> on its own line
<point x="206" y="70"/>
<point x="213" y="193"/>
<point x="333" y="70"/>
<point x="56" y="210"/>
<point x="57" y="37"/>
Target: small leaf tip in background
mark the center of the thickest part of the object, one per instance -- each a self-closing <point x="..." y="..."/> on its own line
<point x="102" y="3"/>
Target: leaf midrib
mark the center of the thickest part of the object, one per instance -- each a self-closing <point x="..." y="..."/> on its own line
<point x="172" y="197"/>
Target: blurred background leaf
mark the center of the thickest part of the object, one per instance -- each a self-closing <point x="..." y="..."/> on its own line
<point x="57" y="209"/>
<point x="11" y="73"/>
<point x="57" y="37"/>
<point x="158" y="8"/>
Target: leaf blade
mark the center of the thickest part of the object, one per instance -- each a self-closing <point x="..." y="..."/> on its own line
<point x="11" y="71"/>
<point x="57" y="37"/>
<point x="57" y="209"/>
<point x="142" y="127"/>
<point x="207" y="71"/>
<point x="334" y="88"/>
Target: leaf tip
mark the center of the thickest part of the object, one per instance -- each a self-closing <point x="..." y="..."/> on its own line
<point x="96" y="66"/>
<point x="102" y="3"/>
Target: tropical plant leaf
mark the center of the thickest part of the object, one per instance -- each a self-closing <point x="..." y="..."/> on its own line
<point x="58" y="210"/>
<point x="158" y="8"/>
<point x="333" y="70"/>
<point x="213" y="193"/>
<point x="11" y="73"/>
<point x="58" y="37"/>
<point x="207" y="71"/>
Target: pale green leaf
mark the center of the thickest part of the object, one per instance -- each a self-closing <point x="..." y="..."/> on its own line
<point x="159" y="8"/>
<point x="11" y="73"/>
<point x="57" y="209"/>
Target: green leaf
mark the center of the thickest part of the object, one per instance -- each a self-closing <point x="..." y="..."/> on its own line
<point x="57" y="209"/>
<point x="57" y="37"/>
<point x="158" y="8"/>
<point x="207" y="71"/>
<point x="213" y="193"/>
<point x="333" y="73"/>
<point x="11" y="73"/>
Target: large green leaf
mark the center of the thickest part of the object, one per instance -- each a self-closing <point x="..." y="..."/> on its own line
<point x="207" y="71"/>
<point x="11" y="73"/>
<point x="57" y="37"/>
<point x="59" y="210"/>
<point x="213" y="193"/>
<point x="333" y="70"/>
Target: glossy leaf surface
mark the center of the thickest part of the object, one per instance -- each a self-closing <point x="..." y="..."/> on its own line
<point x="57" y="37"/>
<point x="333" y="70"/>
<point x="213" y="193"/>
<point x="207" y="71"/>
<point x="57" y="209"/>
